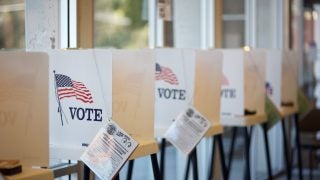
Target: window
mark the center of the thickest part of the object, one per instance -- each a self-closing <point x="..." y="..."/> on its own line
<point x="121" y="23"/>
<point x="233" y="23"/>
<point x="12" y="24"/>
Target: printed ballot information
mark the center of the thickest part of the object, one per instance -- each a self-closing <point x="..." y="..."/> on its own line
<point x="108" y="151"/>
<point x="187" y="130"/>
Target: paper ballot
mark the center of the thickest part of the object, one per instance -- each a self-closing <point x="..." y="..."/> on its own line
<point x="108" y="151"/>
<point x="188" y="129"/>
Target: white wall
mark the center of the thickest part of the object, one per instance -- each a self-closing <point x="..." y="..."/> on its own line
<point x="187" y="23"/>
<point x="42" y="24"/>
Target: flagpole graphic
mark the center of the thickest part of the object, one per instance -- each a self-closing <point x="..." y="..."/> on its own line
<point x="58" y="99"/>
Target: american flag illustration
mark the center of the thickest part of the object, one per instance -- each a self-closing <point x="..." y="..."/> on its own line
<point x="166" y="74"/>
<point x="268" y="88"/>
<point x="67" y="88"/>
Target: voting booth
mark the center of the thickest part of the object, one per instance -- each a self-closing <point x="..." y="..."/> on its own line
<point x="78" y="107"/>
<point x="133" y="97"/>
<point x="174" y="85"/>
<point x="282" y="77"/>
<point x="243" y="83"/>
<point x="208" y="74"/>
<point x="282" y="89"/>
<point x="52" y="104"/>
<point x="243" y="96"/>
<point x="24" y="107"/>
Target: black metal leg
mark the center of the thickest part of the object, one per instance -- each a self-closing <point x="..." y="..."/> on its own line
<point x="187" y="167"/>
<point x="162" y="156"/>
<point x="310" y="165"/>
<point x="286" y="151"/>
<point x="211" y="166"/>
<point x="247" y="153"/>
<point x="116" y="177"/>
<point x="298" y="145"/>
<point x="155" y="167"/>
<point x="233" y="140"/>
<point x="250" y="134"/>
<point x="266" y="145"/>
<point x="194" y="160"/>
<point x="69" y="176"/>
<point x="222" y="157"/>
<point x="130" y="169"/>
<point x="86" y="172"/>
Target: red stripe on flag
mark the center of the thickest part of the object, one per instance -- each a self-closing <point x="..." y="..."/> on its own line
<point x="167" y="75"/>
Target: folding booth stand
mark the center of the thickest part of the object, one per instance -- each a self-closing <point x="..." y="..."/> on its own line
<point x="25" y="109"/>
<point x="174" y="80"/>
<point x="196" y="74"/>
<point x="208" y="73"/>
<point x="78" y="108"/>
<point x="282" y="89"/>
<point x="243" y="98"/>
<point x="118" y="85"/>
<point x="78" y="105"/>
<point x="133" y="101"/>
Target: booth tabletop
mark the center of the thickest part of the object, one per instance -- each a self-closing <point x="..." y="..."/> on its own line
<point x="287" y="111"/>
<point x="29" y="173"/>
<point x="147" y="146"/>
<point x="249" y="120"/>
<point x="215" y="129"/>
